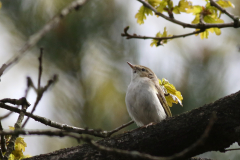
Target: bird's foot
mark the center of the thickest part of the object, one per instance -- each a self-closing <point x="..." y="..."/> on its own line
<point x="150" y="124"/>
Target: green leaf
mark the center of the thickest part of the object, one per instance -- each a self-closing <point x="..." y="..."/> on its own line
<point x="141" y="15"/>
<point x="217" y="31"/>
<point x="196" y="19"/>
<point x="155" y="41"/>
<point x="11" y="128"/>
<point x="225" y="4"/>
<point x="204" y="34"/>
<point x="173" y="96"/>
<point x="209" y="19"/>
<point x="154" y="3"/>
<point x="20" y="144"/>
<point x="195" y="10"/>
<point x="165" y="34"/>
<point x="162" y="6"/>
<point x="182" y="6"/>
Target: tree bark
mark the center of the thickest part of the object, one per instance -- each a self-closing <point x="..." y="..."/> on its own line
<point x="170" y="136"/>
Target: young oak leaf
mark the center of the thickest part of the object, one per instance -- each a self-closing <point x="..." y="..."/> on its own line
<point x="11" y="128"/>
<point x="154" y="3"/>
<point x="20" y="144"/>
<point x="225" y="4"/>
<point x="182" y="6"/>
<point x="143" y="11"/>
<point x="195" y="10"/>
<point x="162" y="6"/>
<point x="171" y="94"/>
<point x="141" y="15"/>
<point x="18" y="154"/>
<point x="156" y="42"/>
<point x="19" y="148"/>
<point x="210" y="15"/>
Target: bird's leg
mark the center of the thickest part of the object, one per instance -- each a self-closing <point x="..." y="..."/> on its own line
<point x="150" y="124"/>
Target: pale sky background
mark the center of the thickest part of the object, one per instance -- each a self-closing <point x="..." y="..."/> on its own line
<point x="165" y="58"/>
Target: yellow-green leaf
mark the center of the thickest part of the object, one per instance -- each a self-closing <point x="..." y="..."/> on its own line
<point x="225" y="4"/>
<point x="11" y="157"/>
<point x="204" y="34"/>
<point x="162" y="6"/>
<point x="217" y="31"/>
<point x="195" y="10"/>
<point x="209" y="19"/>
<point x="17" y="154"/>
<point x="154" y="3"/>
<point x="173" y="96"/>
<point x="196" y="19"/>
<point x="141" y="15"/>
<point x="20" y="144"/>
<point x="182" y="6"/>
<point x="156" y="42"/>
<point x="11" y="127"/>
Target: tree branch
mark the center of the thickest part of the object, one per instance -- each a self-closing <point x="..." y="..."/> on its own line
<point x="170" y="136"/>
<point x="48" y="122"/>
<point x="129" y="36"/>
<point x="234" y="18"/>
<point x="187" y="25"/>
<point x="17" y="126"/>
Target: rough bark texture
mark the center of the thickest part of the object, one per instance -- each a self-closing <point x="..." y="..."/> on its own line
<point x="169" y="136"/>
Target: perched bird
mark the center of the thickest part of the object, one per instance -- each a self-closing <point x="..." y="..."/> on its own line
<point x="145" y="98"/>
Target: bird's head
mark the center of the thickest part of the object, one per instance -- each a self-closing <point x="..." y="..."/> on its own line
<point x="139" y="71"/>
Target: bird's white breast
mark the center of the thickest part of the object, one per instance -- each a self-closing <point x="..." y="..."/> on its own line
<point x="142" y="102"/>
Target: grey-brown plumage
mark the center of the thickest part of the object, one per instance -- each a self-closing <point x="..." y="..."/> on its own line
<point x="145" y="98"/>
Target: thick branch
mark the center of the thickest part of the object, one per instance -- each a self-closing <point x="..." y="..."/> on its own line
<point x="170" y="136"/>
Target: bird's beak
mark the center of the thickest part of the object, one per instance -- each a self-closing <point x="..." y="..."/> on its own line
<point x="130" y="65"/>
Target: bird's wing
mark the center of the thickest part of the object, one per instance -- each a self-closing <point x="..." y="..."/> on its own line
<point x="163" y="101"/>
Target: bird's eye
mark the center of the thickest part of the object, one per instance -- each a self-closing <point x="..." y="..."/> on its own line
<point x="134" y="71"/>
<point x="143" y="69"/>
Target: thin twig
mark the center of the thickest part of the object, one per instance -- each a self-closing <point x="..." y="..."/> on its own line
<point x="17" y="126"/>
<point x="234" y="18"/>
<point x="187" y="25"/>
<point x="3" y="141"/>
<point x="48" y="122"/>
<point x="233" y="149"/>
<point x="6" y="115"/>
<point x="22" y="101"/>
<point x="53" y="124"/>
<point x="75" y="5"/>
<point x="40" y="92"/>
<point x="129" y="36"/>
<point x="40" y="68"/>
<point x="109" y="133"/>
<point x="29" y="82"/>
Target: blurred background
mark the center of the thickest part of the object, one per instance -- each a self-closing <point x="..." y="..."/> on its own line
<point x="88" y="53"/>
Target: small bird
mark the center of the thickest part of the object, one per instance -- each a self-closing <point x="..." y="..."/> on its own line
<point x="145" y="98"/>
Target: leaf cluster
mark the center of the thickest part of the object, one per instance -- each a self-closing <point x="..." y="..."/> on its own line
<point x="203" y="14"/>
<point x="19" y="147"/>
<point x="171" y="94"/>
